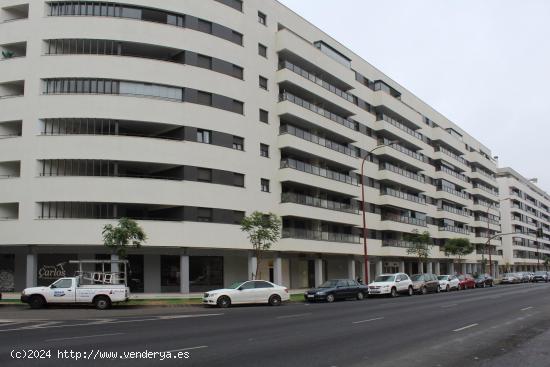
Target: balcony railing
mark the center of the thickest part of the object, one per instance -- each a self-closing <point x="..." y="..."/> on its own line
<point x="402" y="195"/>
<point x="485" y="219"/>
<point x="454" y="229"/>
<point x="400" y="126"/>
<point x="302" y="134"/>
<point x="402" y="172"/>
<point x="484" y="173"/>
<point x="318" y="202"/>
<point x="452" y="173"/>
<point x="318" y="171"/>
<point x="404" y="219"/>
<point x="486" y="189"/>
<point x="397" y="243"/>
<point x="308" y="234"/>
<point x="451" y="154"/>
<point x="450" y="209"/>
<point x="285" y="96"/>
<point x="404" y="150"/>
<point x="461" y="194"/>
<point x="283" y="64"/>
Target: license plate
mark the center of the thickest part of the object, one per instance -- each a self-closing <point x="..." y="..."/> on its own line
<point x="310" y="296"/>
<point x="375" y="291"/>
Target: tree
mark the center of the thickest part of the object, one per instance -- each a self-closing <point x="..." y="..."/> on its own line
<point x="546" y="262"/>
<point x="421" y="244"/>
<point x="127" y="233"/>
<point x="263" y="231"/>
<point x="458" y="247"/>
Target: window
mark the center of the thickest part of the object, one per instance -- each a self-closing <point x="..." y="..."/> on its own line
<point x="204" y="214"/>
<point x="264" y="150"/>
<point x="262" y="18"/>
<point x="238" y="107"/>
<point x="238" y="217"/>
<point x="262" y="50"/>
<point x="204" y="136"/>
<point x="264" y="116"/>
<point x="264" y="184"/>
<point x="262" y="82"/>
<point x="205" y="26"/>
<point x="204" y="61"/>
<point x="237" y="72"/>
<point x="247" y="285"/>
<point x="204" y="98"/>
<point x="204" y="175"/>
<point x="64" y="283"/>
<point x="238" y="179"/>
<point x="238" y="143"/>
<point x="262" y="284"/>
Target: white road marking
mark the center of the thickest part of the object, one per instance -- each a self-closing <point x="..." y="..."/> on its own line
<point x="451" y="305"/>
<point x="295" y="315"/>
<point x="527" y="308"/>
<point x="184" y="349"/>
<point x="465" y="327"/>
<point x="169" y="317"/>
<point x="40" y="326"/>
<point x="82" y="337"/>
<point x="368" y="320"/>
<point x="45" y="326"/>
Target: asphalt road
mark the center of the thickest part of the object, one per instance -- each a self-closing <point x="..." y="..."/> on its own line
<point x="500" y="326"/>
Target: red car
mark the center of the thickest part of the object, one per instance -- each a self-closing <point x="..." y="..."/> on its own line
<point x="466" y="281"/>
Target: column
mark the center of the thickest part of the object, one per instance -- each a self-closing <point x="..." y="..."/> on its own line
<point x="114" y="267"/>
<point x="401" y="266"/>
<point x="151" y="273"/>
<point x="30" y="275"/>
<point x="410" y="269"/>
<point x="420" y="268"/>
<point x="463" y="270"/>
<point x="20" y="271"/>
<point x="429" y="268"/>
<point x="252" y="264"/>
<point x="184" y="273"/>
<point x="437" y="268"/>
<point x="451" y="267"/>
<point x="378" y="267"/>
<point x="318" y="272"/>
<point x="278" y="269"/>
<point x="351" y="268"/>
<point x="363" y="274"/>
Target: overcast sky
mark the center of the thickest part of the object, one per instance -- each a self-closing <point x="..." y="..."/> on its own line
<point x="484" y="64"/>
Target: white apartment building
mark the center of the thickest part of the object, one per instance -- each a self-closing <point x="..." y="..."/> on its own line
<point x="186" y="115"/>
<point x="524" y="209"/>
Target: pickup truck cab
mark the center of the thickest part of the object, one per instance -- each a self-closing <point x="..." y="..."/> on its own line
<point x="71" y="291"/>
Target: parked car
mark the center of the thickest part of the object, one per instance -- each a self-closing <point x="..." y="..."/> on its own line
<point x="510" y="278"/>
<point x="448" y="282"/>
<point x="425" y="283"/>
<point x="334" y="289"/>
<point x="523" y="276"/>
<point x="391" y="284"/>
<point x="541" y="276"/>
<point x="466" y="281"/>
<point x="483" y="280"/>
<point x="251" y="291"/>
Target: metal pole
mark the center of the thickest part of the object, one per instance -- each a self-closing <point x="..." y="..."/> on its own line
<point x="366" y="257"/>
<point x="488" y="243"/>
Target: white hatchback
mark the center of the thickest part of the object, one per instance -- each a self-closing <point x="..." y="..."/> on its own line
<point x="391" y="284"/>
<point x="251" y="291"/>
<point x="448" y="282"/>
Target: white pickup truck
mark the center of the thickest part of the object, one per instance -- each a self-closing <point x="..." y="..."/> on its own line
<point x="70" y="291"/>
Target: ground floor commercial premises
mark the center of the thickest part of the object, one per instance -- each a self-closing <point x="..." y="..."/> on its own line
<point x="184" y="270"/>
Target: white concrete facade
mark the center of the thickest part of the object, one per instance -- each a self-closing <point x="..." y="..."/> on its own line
<point x="524" y="209"/>
<point x="120" y="109"/>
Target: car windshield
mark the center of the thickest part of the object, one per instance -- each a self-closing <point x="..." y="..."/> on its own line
<point x="416" y="277"/>
<point x="509" y="275"/>
<point x="385" y="278"/>
<point x="461" y="277"/>
<point x="540" y="273"/>
<point x="329" y="284"/>
<point x="235" y="285"/>
<point x="443" y="277"/>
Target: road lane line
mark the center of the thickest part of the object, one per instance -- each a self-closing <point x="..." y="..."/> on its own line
<point x="184" y="349"/>
<point x="295" y="315"/>
<point x="170" y="317"/>
<point x="465" y="327"/>
<point x="41" y="326"/>
<point x="82" y="337"/>
<point x="526" y="308"/>
<point x="368" y="320"/>
<point x="45" y="326"/>
<point x="451" y="305"/>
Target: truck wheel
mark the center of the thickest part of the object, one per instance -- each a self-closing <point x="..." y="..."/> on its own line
<point x="102" y="302"/>
<point x="37" y="302"/>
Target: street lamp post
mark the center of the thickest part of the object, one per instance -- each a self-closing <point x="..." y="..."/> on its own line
<point x="366" y="257"/>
